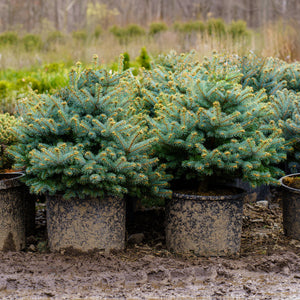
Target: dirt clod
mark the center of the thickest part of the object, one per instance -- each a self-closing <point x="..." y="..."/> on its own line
<point x="135" y="238"/>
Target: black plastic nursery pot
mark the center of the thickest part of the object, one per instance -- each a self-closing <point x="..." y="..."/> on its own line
<point x="85" y="224"/>
<point x="12" y="212"/>
<point x="204" y="225"/>
<point x="290" y="207"/>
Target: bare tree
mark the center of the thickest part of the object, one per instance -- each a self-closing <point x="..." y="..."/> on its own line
<point x="71" y="15"/>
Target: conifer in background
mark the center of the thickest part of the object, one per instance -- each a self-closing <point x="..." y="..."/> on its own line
<point x="126" y="61"/>
<point x="84" y="141"/>
<point x="144" y="59"/>
<point x="210" y="127"/>
<point x="157" y="27"/>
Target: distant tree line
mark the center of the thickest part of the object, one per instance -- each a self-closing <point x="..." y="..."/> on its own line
<point x="70" y="15"/>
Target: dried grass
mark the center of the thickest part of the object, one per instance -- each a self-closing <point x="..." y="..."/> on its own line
<point x="278" y="40"/>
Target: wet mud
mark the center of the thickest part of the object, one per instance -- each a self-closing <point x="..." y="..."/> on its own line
<point x="268" y="266"/>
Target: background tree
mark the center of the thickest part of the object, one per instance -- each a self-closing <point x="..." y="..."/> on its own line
<point x="74" y="14"/>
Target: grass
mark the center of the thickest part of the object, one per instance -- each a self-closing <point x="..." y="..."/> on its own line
<point x="27" y="51"/>
<point x="16" y="84"/>
<point x="108" y="48"/>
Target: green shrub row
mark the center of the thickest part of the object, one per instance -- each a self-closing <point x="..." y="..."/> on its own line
<point x="216" y="27"/>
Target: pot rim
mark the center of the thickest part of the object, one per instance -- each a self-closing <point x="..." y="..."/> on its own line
<point x="288" y="187"/>
<point x="12" y="173"/>
<point x="11" y="182"/>
<point x="60" y="195"/>
<point x="211" y="198"/>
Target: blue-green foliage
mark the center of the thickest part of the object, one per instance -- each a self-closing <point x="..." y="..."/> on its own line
<point x="286" y="114"/>
<point x="210" y="126"/>
<point x="224" y="117"/>
<point x="166" y="77"/>
<point x="292" y="76"/>
<point x="281" y="82"/>
<point x="87" y="141"/>
<point x="262" y="73"/>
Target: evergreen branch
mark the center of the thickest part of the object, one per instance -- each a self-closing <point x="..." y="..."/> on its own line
<point x="146" y="144"/>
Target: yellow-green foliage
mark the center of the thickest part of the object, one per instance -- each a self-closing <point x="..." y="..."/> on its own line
<point x="8" y="38"/>
<point x="126" y="61"/>
<point x="157" y="27"/>
<point x="7" y="138"/>
<point x="98" y="31"/>
<point x="144" y="59"/>
<point x="55" y="37"/>
<point x="4" y="86"/>
<point x="32" y="42"/>
<point x="80" y="36"/>
<point x="238" y="29"/>
<point x="189" y="27"/>
<point x="134" y="30"/>
<point x="24" y="83"/>
<point x="216" y="27"/>
<point x="15" y="84"/>
<point x="124" y="34"/>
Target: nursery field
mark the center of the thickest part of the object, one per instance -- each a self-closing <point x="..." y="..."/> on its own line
<point x="128" y="149"/>
<point x="268" y="266"/>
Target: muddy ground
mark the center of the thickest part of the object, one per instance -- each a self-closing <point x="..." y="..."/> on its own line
<point x="267" y="268"/>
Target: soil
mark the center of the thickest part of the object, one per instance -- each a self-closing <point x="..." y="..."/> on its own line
<point x="216" y="191"/>
<point x="292" y="181"/>
<point x="268" y="266"/>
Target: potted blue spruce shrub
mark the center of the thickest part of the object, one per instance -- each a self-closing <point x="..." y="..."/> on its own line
<point x="84" y="149"/>
<point x="212" y="130"/>
<point x="292" y="76"/>
<point x="286" y="113"/>
<point x="265" y="73"/>
<point x="142" y="92"/>
<point x="17" y="207"/>
<point x="149" y="87"/>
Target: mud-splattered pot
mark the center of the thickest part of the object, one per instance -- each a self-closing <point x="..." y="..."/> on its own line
<point x="85" y="224"/>
<point x="12" y="212"/>
<point x="290" y="207"/>
<point x="204" y="225"/>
